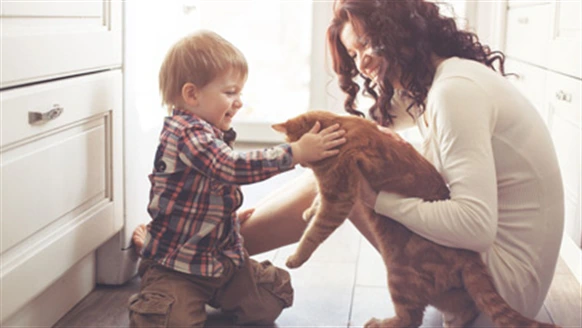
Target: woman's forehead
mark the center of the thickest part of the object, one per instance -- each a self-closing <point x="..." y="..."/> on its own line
<point x="350" y="37"/>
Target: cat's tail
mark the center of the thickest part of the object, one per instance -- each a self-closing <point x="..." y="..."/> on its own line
<point x="480" y="287"/>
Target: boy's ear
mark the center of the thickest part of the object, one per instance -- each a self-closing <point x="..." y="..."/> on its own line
<point x="279" y="127"/>
<point x="190" y="94"/>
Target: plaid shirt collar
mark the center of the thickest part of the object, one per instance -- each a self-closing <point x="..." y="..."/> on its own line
<point x="183" y="112"/>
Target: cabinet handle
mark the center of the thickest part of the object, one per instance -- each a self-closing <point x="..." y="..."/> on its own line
<point x="563" y="96"/>
<point x="189" y="9"/>
<point x="37" y="117"/>
<point x="523" y="20"/>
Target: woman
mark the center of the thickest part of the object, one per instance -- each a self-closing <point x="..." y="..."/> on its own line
<point x="482" y="135"/>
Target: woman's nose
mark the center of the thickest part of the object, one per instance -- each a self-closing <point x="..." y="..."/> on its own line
<point x="364" y="65"/>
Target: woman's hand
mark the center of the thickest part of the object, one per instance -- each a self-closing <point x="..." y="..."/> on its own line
<point x="316" y="145"/>
<point x="367" y="194"/>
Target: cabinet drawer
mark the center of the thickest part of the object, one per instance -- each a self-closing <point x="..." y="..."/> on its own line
<point x="528" y="33"/>
<point x="43" y="40"/>
<point x="78" y="98"/>
<point x="531" y="81"/>
<point x="54" y="177"/>
<point x="563" y="98"/>
<point x="62" y="181"/>
<point x="53" y="171"/>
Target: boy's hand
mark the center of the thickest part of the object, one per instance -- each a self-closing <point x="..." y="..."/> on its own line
<point x="316" y="145"/>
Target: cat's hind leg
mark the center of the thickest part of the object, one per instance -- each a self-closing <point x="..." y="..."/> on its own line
<point x="457" y="307"/>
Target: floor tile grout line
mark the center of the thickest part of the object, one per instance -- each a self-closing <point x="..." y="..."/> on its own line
<point x="350" y="312"/>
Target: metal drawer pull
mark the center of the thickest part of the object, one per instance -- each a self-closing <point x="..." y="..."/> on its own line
<point x="189" y="9"/>
<point x="37" y="117"/>
<point x="523" y="20"/>
<point x="563" y="96"/>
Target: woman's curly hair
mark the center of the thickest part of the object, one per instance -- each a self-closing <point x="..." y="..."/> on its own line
<point x="405" y="33"/>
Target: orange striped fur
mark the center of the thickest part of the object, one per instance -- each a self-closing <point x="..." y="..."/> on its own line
<point x="420" y="272"/>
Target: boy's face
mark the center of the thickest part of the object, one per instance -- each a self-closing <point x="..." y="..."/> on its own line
<point x="219" y="100"/>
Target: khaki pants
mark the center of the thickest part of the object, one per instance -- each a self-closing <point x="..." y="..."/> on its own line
<point x="256" y="293"/>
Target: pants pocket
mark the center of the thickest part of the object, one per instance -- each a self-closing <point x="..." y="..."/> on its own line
<point x="150" y="309"/>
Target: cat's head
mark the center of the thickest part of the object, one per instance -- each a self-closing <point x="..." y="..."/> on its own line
<point x="296" y="127"/>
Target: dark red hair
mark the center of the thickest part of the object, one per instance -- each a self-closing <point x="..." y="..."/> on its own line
<point x="405" y="33"/>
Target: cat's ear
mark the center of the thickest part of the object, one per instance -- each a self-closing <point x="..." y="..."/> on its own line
<point x="280" y="127"/>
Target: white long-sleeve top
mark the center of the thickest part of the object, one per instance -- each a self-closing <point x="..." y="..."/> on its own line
<point x="497" y="157"/>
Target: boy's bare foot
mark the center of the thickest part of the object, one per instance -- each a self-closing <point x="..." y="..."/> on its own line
<point x="138" y="237"/>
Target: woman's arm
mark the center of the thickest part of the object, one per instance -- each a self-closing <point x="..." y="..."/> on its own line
<point x="460" y="117"/>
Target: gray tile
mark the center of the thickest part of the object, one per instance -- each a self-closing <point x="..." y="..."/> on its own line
<point x="371" y="269"/>
<point x="375" y="302"/>
<point x="370" y="302"/>
<point x="342" y="246"/>
<point x="323" y="294"/>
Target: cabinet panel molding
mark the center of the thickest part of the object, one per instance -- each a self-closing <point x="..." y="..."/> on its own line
<point x="74" y="173"/>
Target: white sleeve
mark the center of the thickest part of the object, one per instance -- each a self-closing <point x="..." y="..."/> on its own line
<point x="461" y="118"/>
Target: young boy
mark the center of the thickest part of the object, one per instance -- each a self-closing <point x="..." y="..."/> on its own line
<point x="193" y="254"/>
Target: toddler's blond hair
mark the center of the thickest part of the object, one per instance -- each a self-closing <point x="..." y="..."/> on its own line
<point x="197" y="58"/>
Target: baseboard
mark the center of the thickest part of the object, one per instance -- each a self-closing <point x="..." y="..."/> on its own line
<point x="46" y="309"/>
<point x="572" y="256"/>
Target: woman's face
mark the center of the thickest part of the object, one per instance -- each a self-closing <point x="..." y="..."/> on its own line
<point x="360" y="49"/>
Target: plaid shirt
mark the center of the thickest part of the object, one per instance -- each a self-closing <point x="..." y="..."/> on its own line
<point x="195" y="195"/>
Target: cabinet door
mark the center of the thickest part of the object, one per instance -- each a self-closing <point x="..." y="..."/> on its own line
<point x="62" y="182"/>
<point x="564" y="121"/>
<point x="527" y="34"/>
<point x="564" y="48"/>
<point x="42" y="40"/>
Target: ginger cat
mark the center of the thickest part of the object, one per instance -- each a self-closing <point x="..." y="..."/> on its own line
<point x="420" y="272"/>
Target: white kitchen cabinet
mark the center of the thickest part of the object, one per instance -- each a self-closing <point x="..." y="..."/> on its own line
<point x="61" y="151"/>
<point x="564" y="45"/>
<point x="563" y="94"/>
<point x="43" y="40"/>
<point x="542" y="44"/>
<point x="61" y="180"/>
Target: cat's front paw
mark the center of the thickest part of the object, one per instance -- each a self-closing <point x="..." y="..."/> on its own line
<point x="294" y="261"/>
<point x="308" y="214"/>
<point x="373" y="323"/>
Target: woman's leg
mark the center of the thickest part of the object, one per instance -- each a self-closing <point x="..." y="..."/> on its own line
<point x="277" y="220"/>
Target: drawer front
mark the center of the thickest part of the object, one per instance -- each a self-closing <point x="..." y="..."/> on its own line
<point x="75" y="98"/>
<point x="55" y="170"/>
<point x="43" y="40"/>
<point x="531" y="81"/>
<point x="528" y="33"/>
<point x="53" y="178"/>
<point x="564" y="121"/>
